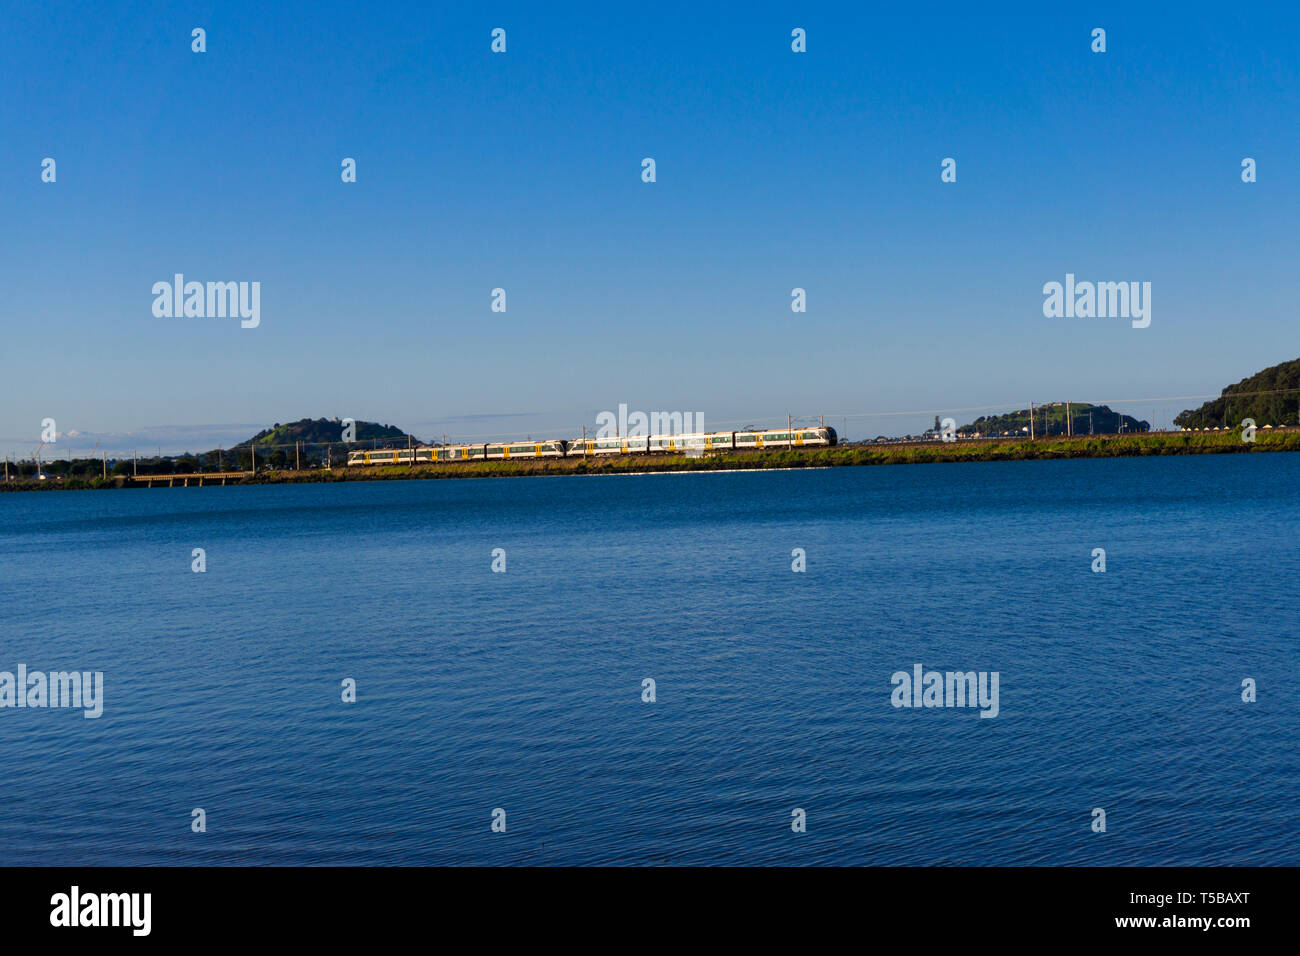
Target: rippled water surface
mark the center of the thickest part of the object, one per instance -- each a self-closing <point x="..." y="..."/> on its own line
<point x="522" y="690"/>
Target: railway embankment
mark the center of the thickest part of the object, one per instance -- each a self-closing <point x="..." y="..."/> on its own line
<point x="844" y="455"/>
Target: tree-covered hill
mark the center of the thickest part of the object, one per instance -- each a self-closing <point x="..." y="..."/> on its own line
<point x="321" y="431"/>
<point x="1278" y="405"/>
<point x="1051" y="420"/>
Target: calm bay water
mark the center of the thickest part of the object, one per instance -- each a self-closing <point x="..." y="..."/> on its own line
<point x="522" y="690"/>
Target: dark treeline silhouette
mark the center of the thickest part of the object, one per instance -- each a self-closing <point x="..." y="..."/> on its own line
<point x="1270" y="397"/>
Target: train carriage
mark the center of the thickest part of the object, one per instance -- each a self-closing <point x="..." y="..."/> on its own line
<point x="461" y="452"/>
<point x="699" y="441"/>
<point x="381" y="456"/>
<point x="426" y="454"/>
<point x="625" y="445"/>
<point x="822" y="435"/>
<point x="525" y="449"/>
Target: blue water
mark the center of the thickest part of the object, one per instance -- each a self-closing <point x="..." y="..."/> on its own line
<point x="522" y="690"/>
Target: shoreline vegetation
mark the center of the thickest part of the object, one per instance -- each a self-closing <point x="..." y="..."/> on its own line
<point x="849" y="455"/>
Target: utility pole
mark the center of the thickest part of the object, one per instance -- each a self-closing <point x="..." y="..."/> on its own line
<point x="1031" y="421"/>
<point x="135" y="470"/>
<point x="297" y="460"/>
<point x="1069" y="422"/>
<point x="253" y="451"/>
<point x="105" y="454"/>
<point x="584" y="441"/>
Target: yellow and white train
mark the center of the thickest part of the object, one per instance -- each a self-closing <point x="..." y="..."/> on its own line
<point x="699" y="443"/>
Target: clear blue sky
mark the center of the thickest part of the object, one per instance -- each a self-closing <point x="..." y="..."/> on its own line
<point x="775" y="170"/>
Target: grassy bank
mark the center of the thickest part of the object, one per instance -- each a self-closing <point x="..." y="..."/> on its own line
<point x="1100" y="446"/>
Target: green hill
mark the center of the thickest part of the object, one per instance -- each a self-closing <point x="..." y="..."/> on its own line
<point x="322" y="431"/>
<point x="1050" y="420"/>
<point x="1281" y="407"/>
